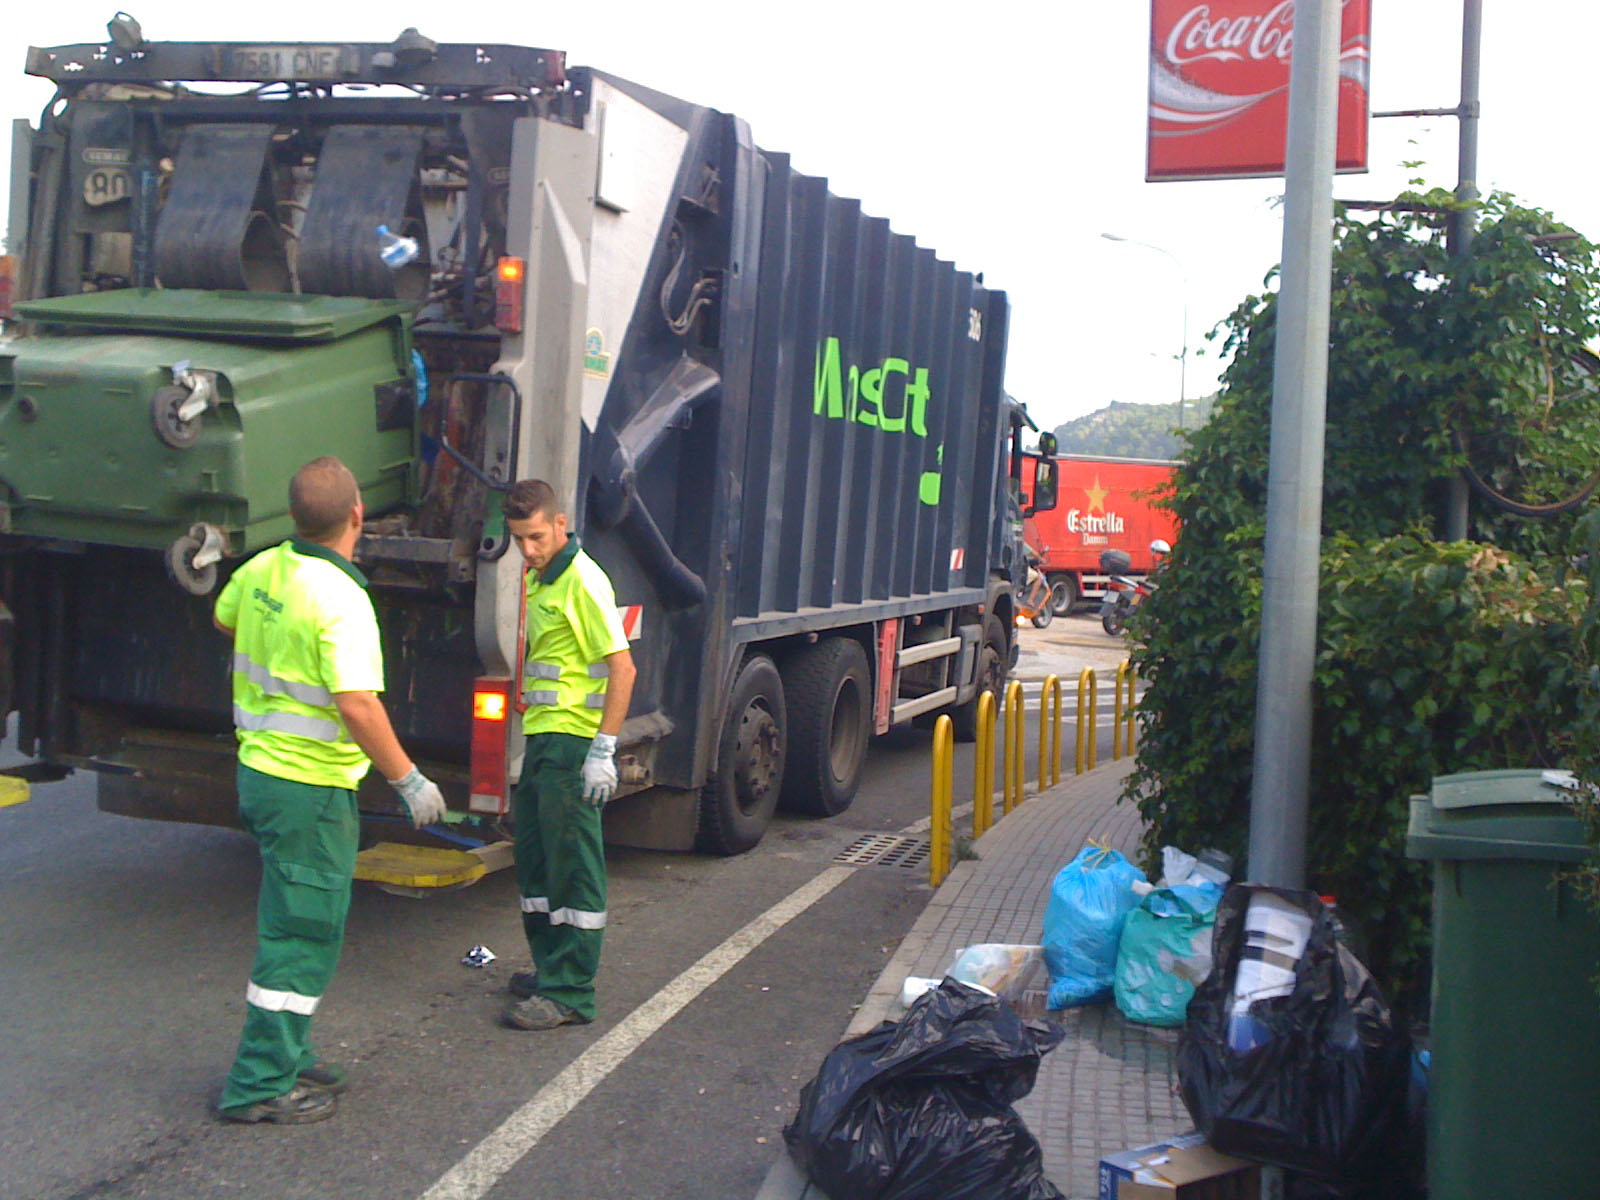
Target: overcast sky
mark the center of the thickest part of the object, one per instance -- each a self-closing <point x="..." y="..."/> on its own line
<point x="1006" y="135"/>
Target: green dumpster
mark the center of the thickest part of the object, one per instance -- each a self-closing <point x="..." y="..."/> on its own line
<point x="1514" y="1090"/>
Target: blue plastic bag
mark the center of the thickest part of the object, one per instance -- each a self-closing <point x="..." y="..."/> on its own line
<point x="1089" y="900"/>
<point x="1165" y="952"/>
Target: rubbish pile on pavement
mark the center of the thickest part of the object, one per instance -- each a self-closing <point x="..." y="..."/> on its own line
<point x="1294" y="1074"/>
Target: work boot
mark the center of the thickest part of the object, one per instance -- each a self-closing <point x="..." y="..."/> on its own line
<point x="541" y="1012"/>
<point x="298" y="1106"/>
<point x="523" y="984"/>
<point x="325" y="1077"/>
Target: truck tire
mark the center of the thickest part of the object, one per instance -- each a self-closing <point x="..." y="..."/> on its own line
<point x="736" y="804"/>
<point x="1063" y="594"/>
<point x="828" y="692"/>
<point x="992" y="669"/>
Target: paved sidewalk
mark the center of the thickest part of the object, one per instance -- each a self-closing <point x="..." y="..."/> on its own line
<point x="1110" y="1084"/>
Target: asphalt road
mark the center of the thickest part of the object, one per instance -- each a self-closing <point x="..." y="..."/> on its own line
<point x="125" y="947"/>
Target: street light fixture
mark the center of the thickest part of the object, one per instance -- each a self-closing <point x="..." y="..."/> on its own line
<point x="1183" y="353"/>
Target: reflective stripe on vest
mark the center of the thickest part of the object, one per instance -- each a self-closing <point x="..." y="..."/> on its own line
<point x="270" y="1000"/>
<point x="311" y="694"/>
<point x="542" y="672"/>
<point x="575" y="917"/>
<point x="282" y="722"/>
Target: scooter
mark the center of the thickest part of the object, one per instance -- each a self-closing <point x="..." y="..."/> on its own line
<point x="1123" y="592"/>
<point x="1035" y="601"/>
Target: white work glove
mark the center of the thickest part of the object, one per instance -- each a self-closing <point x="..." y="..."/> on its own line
<point x="422" y="796"/>
<point x="600" y="770"/>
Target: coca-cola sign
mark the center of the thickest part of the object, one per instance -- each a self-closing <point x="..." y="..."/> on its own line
<point x="1219" y="87"/>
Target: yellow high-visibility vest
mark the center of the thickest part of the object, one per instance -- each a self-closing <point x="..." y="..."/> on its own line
<point x="303" y="629"/>
<point x="573" y="626"/>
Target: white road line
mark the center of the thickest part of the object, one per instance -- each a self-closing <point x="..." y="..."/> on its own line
<point x="485" y="1164"/>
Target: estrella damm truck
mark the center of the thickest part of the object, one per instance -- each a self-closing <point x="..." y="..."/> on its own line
<point x="779" y="425"/>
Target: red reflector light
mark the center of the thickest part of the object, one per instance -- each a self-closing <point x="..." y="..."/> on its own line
<point x="8" y="275"/>
<point x="491" y="703"/>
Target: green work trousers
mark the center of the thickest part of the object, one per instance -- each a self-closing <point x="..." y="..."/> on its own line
<point x="561" y="869"/>
<point x="308" y="837"/>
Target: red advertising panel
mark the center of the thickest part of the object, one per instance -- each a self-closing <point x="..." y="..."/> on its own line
<point x="1219" y="87"/>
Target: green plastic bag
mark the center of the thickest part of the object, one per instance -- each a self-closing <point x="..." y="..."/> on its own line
<point x="1161" y="958"/>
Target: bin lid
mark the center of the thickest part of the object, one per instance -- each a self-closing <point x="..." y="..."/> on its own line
<point x="185" y="312"/>
<point x="1521" y="813"/>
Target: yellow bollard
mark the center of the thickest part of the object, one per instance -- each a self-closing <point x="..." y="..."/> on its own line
<point x="1116" y="710"/>
<point x="1016" y="763"/>
<point x="939" y="832"/>
<point x="983" y="768"/>
<point x="1050" y="728"/>
<point x="1087" y="702"/>
<point x="1128" y="716"/>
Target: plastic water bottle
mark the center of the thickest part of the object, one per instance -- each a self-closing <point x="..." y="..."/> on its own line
<point x="395" y="251"/>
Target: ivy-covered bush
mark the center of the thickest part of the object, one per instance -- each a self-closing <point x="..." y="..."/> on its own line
<point x="1432" y="657"/>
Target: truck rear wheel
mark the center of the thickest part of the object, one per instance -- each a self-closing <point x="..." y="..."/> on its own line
<point x="828" y="693"/>
<point x="992" y="668"/>
<point x="1063" y="594"/>
<point x="736" y="805"/>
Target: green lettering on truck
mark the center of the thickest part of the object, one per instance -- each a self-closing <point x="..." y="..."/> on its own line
<point x="868" y="397"/>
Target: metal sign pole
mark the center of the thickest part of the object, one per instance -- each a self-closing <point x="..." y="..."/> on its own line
<point x="1281" y="777"/>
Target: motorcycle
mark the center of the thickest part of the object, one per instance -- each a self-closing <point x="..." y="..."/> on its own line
<point x="1123" y="592"/>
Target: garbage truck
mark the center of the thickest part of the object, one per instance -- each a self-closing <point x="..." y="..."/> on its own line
<point x="777" y="423"/>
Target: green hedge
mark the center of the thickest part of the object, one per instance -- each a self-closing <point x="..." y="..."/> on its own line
<point x="1432" y="657"/>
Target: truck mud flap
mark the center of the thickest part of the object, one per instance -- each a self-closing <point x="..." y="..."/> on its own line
<point x="366" y="176"/>
<point x="218" y="229"/>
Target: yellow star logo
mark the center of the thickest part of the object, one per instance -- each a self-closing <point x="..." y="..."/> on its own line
<point x="1097" y="496"/>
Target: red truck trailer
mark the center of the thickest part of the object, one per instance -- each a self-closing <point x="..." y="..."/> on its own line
<point x="1103" y="504"/>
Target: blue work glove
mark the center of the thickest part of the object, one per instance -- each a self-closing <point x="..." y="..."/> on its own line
<point x="600" y="770"/>
<point x="423" y="799"/>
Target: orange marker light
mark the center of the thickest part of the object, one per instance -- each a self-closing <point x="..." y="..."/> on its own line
<point x="508" y="275"/>
<point x="488" y="706"/>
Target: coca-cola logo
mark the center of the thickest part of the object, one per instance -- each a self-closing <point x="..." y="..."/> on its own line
<point x="1219" y="84"/>
<point x="1197" y="35"/>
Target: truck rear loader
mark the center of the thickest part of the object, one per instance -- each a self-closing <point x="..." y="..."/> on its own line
<point x="777" y="424"/>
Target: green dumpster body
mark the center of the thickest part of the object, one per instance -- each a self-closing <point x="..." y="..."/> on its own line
<point x="296" y="377"/>
<point x="1514" y="1089"/>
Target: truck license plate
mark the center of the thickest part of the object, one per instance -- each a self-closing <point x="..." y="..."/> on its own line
<point x="292" y="62"/>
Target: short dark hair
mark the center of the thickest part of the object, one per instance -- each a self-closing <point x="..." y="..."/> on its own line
<point x="321" y="495"/>
<point x="529" y="496"/>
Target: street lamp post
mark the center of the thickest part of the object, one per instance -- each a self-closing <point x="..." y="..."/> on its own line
<point x="1183" y="275"/>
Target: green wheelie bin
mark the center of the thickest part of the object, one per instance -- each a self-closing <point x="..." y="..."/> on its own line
<point x="1514" y="1088"/>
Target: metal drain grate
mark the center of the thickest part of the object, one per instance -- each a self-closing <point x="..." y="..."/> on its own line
<point x="884" y="850"/>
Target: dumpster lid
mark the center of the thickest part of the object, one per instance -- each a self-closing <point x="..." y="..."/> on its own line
<point x="187" y="311"/>
<point x="1479" y="789"/>
<point x="1521" y="813"/>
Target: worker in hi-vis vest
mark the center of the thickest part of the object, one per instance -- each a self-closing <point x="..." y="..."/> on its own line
<point x="577" y="681"/>
<point x="307" y="672"/>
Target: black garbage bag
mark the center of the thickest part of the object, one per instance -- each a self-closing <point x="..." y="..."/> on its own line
<point x="920" y="1108"/>
<point x="1313" y="1080"/>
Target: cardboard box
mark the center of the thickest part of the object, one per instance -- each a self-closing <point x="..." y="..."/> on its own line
<point x="1181" y="1168"/>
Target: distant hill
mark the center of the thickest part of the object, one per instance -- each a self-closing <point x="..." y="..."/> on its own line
<point x="1123" y="430"/>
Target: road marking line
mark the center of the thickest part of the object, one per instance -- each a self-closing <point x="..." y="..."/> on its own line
<point x="487" y="1162"/>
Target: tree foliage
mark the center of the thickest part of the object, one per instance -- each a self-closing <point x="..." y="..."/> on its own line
<point x="1123" y="430"/>
<point x="1431" y="657"/>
